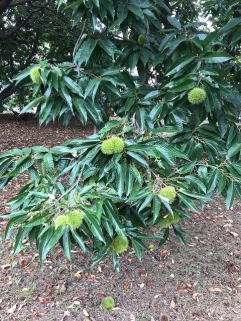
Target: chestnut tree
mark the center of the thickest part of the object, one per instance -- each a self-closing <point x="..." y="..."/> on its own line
<point x="171" y="81"/>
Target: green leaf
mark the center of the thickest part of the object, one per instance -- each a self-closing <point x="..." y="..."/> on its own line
<point x="165" y="236"/>
<point x="230" y="195"/>
<point x="112" y="214"/>
<point x="92" y="86"/>
<point x="95" y="227"/>
<point x="122" y="12"/>
<point x="66" y="243"/>
<point x="216" y="57"/>
<point x="136" y="10"/>
<point x="22" y="232"/>
<point x="156" y="207"/>
<point x="185" y="85"/>
<point x="155" y="112"/>
<point x="233" y="150"/>
<point x="236" y="37"/>
<point x="179" y="64"/>
<point x="138" y="158"/>
<point x="196" y="182"/>
<point x="197" y="152"/>
<point x="49" y="240"/>
<point x="187" y="168"/>
<point x="14" y="220"/>
<point x="174" y="22"/>
<point x="23" y="74"/>
<point x="108" y="47"/>
<point x="213" y="180"/>
<point x="78" y="104"/>
<point x="146" y="202"/>
<point x="153" y="94"/>
<point x="37" y="220"/>
<point x="189" y="204"/>
<point x="97" y="3"/>
<point x="85" y="51"/>
<point x="65" y="95"/>
<point x="78" y="239"/>
<point x="49" y="162"/>
<point x="102" y="253"/>
<point x="230" y="24"/>
<point x="137" y="248"/>
<point x="221" y="184"/>
<point x="194" y="195"/>
<point x="179" y="235"/>
<point x="75" y="88"/>
<point x="32" y="104"/>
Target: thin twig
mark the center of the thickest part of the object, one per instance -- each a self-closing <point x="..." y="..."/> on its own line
<point x="69" y="190"/>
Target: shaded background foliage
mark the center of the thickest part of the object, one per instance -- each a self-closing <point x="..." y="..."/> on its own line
<point x="30" y="31"/>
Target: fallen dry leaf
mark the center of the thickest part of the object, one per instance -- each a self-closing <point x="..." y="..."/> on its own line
<point x="85" y="313"/>
<point x="142" y="285"/>
<point x="66" y="313"/>
<point x="215" y="289"/>
<point x="173" y="304"/>
<point x="78" y="274"/>
<point x="132" y="317"/>
<point x="234" y="234"/>
<point x="195" y="296"/>
<point x="12" y="309"/>
<point x="6" y="266"/>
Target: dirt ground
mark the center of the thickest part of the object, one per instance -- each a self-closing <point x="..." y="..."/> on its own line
<point x="201" y="281"/>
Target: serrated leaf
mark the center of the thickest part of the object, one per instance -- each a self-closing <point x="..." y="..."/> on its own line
<point x="189" y="204"/>
<point x="32" y="104"/>
<point x="179" y="64"/>
<point x="233" y="150"/>
<point x="138" y="158"/>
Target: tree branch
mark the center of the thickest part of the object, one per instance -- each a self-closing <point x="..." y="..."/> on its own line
<point x="4" y="4"/>
<point x="18" y="3"/>
<point x="7" y="92"/>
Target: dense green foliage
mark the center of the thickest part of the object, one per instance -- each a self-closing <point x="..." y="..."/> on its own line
<point x="118" y="191"/>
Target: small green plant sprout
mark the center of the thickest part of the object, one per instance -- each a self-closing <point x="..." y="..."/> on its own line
<point x="108" y="303"/>
<point x="120" y="244"/>
<point x="35" y="75"/>
<point x="196" y="96"/>
<point x="169" y="192"/>
<point x="112" y="145"/>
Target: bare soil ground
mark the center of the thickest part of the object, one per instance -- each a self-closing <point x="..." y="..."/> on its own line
<point x="201" y="281"/>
